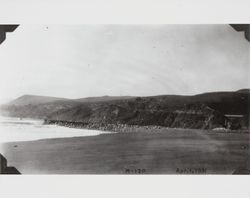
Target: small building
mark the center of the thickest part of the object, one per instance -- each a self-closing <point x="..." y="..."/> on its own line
<point x="234" y="121"/>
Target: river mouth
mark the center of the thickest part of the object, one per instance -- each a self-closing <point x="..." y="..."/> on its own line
<point x="15" y="130"/>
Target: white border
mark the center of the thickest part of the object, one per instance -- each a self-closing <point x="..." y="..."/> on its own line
<point x="125" y="186"/>
<point x="124" y="12"/>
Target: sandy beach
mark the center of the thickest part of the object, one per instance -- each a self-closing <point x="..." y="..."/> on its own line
<point x="164" y="151"/>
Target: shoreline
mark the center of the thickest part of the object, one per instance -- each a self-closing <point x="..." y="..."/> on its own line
<point x="12" y="130"/>
<point x="103" y="127"/>
<point x="124" y="128"/>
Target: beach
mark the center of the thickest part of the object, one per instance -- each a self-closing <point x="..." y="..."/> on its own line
<point x="163" y="151"/>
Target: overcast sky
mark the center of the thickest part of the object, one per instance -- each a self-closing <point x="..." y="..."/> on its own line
<point x="93" y="60"/>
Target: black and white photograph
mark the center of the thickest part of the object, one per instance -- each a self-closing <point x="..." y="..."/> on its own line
<point x="126" y="99"/>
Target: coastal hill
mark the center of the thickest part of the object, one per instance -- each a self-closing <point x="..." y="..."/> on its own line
<point x="204" y="111"/>
<point x="32" y="106"/>
<point x="34" y="100"/>
<point x="103" y="98"/>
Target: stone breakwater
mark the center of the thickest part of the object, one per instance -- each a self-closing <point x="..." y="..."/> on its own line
<point x="103" y="127"/>
<point x="127" y="128"/>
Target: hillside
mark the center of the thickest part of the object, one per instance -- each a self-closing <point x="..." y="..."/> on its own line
<point x="33" y="106"/>
<point x="103" y="98"/>
<point x="34" y="100"/>
<point x="204" y="111"/>
<point x="243" y="91"/>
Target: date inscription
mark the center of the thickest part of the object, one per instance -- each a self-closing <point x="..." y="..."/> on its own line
<point x="191" y="170"/>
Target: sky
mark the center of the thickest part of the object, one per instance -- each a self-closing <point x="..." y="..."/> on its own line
<point x="75" y="61"/>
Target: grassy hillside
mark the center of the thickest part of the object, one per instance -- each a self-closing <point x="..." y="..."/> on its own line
<point x="103" y="98"/>
<point x="199" y="111"/>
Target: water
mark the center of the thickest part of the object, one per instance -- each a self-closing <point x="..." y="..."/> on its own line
<point x="14" y="130"/>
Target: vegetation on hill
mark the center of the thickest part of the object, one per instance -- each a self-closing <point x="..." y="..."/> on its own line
<point x="204" y="111"/>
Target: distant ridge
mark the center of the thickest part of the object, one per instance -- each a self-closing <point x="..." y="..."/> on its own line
<point x="243" y="91"/>
<point x="103" y="98"/>
<point x="34" y="100"/>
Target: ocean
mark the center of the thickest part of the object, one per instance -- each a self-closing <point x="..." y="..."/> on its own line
<point x="15" y="129"/>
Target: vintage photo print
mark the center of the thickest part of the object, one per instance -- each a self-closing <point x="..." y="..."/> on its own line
<point x="167" y="99"/>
